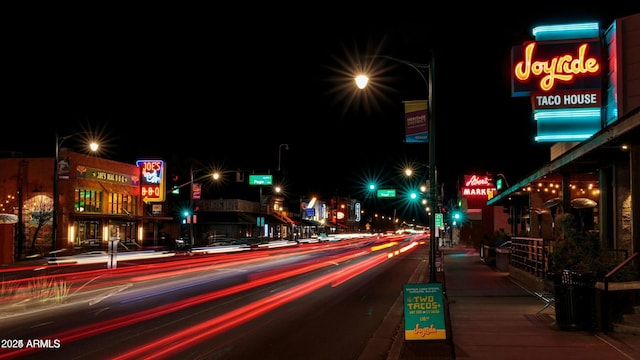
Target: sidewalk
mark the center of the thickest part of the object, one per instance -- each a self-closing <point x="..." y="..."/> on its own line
<point x="493" y="317"/>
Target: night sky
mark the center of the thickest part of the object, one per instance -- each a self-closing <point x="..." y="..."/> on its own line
<point x="211" y="87"/>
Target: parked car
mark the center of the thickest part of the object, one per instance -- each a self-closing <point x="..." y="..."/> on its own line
<point x="225" y="241"/>
<point x="182" y="243"/>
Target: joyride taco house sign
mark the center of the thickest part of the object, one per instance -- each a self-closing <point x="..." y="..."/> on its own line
<point x="563" y="79"/>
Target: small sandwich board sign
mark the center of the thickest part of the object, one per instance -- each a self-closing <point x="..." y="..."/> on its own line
<point x="424" y="312"/>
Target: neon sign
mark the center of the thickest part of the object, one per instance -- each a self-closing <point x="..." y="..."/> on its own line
<point x="561" y="72"/>
<point x="477" y="181"/>
<point x="561" y="68"/>
<point x="552" y="66"/>
<point x="152" y="180"/>
<point x="475" y="185"/>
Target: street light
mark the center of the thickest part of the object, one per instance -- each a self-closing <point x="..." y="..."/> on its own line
<point x="361" y="82"/>
<point x="56" y="174"/>
<point x="215" y="176"/>
<point x="409" y="172"/>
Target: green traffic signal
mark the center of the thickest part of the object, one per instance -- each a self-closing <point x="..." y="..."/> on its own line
<point x="456" y="217"/>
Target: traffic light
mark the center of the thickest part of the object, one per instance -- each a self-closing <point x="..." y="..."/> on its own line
<point x="175" y="189"/>
<point x="186" y="216"/>
<point x="456" y="217"/>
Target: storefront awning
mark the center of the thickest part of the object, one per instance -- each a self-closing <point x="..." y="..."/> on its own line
<point x="273" y="220"/>
<point x="119" y="189"/>
<point x="290" y="220"/>
<point x="586" y="157"/>
<point x="108" y="187"/>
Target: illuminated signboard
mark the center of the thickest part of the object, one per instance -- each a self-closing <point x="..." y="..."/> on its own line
<point x="564" y="82"/>
<point x="475" y="185"/>
<point x="260" y="179"/>
<point x="424" y="315"/>
<point x="549" y="67"/>
<point x="152" y="180"/>
<point x="84" y="172"/>
<point x="386" y="193"/>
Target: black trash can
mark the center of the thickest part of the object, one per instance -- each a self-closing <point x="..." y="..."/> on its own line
<point x="574" y="297"/>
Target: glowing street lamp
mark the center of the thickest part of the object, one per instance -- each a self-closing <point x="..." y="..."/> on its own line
<point x="424" y="186"/>
<point x="93" y="146"/>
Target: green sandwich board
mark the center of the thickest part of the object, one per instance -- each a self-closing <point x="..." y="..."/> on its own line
<point x="424" y="312"/>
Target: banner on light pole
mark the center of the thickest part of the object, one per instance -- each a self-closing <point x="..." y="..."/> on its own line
<point x="197" y="191"/>
<point x="416" y="121"/>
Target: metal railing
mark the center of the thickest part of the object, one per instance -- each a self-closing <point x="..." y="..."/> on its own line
<point x="606" y="306"/>
<point x="528" y="254"/>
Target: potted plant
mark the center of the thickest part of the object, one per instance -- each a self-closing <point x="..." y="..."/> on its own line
<point x="573" y="267"/>
<point x="581" y="252"/>
<point x="572" y="251"/>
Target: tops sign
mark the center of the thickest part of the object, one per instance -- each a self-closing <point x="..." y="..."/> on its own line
<point x="551" y="66"/>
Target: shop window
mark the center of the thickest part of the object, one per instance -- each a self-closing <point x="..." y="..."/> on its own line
<point x="87" y="201"/>
<point x="89" y="233"/>
<point x="122" y="204"/>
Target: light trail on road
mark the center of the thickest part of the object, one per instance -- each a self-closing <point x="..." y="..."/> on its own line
<point x="262" y="268"/>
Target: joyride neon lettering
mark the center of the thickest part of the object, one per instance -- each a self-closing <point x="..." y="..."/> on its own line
<point x="559" y="68"/>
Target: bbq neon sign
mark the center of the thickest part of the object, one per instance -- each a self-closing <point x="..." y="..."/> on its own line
<point x="152" y="180"/>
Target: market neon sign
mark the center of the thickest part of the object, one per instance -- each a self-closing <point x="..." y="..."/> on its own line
<point x="475" y="185"/>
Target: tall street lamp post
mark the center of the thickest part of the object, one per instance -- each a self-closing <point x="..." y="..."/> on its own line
<point x="429" y="80"/>
<point x="192" y="195"/>
<point x="286" y="147"/>
<point x="56" y="191"/>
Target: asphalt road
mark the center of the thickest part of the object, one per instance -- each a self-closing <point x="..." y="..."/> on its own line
<point x="183" y="311"/>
